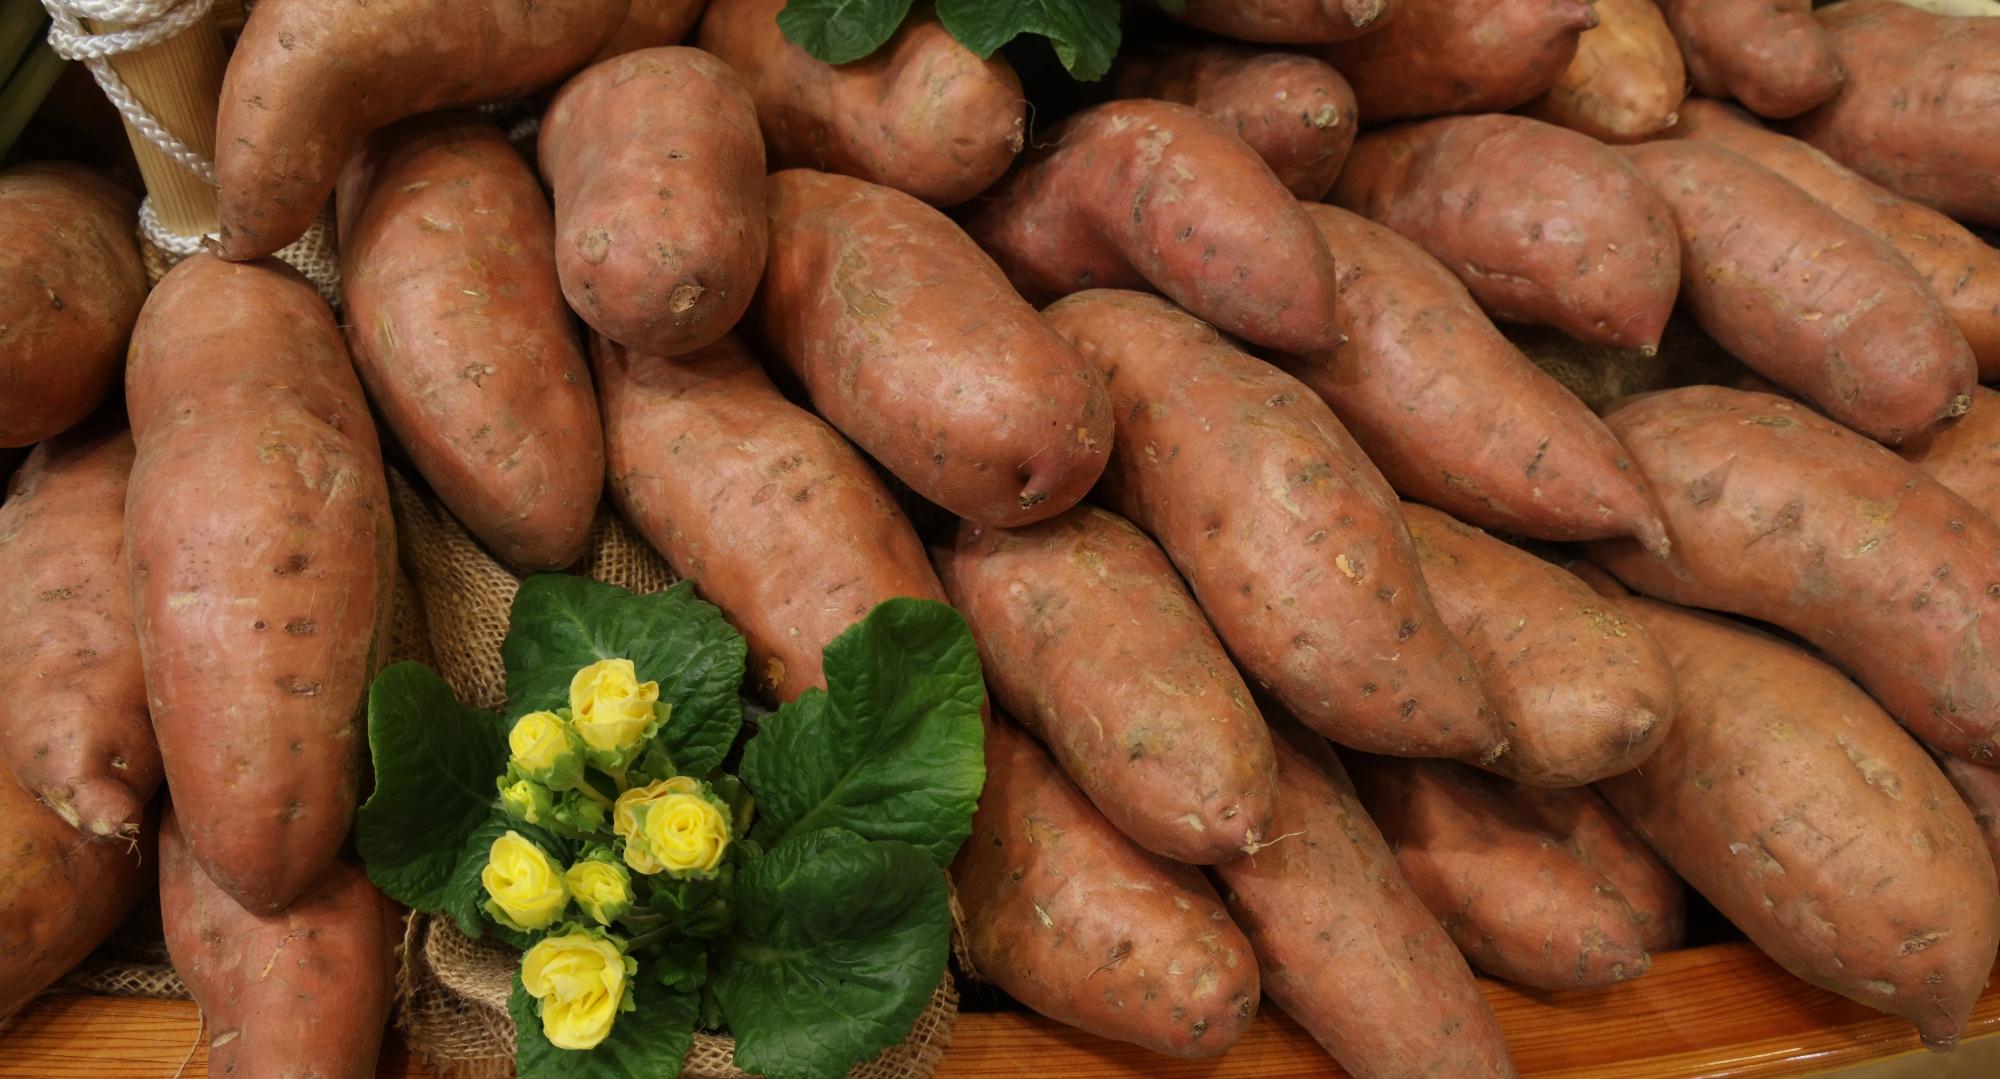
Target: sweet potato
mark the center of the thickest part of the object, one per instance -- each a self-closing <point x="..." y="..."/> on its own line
<point x="1132" y="193"/>
<point x="651" y="23"/>
<point x="1966" y="456"/>
<point x="656" y="166"/>
<point x="1542" y="224"/>
<point x="1789" y="800"/>
<point x="1519" y="901"/>
<point x="1071" y="919"/>
<point x="1979" y="787"/>
<point x="1344" y="945"/>
<point x="1780" y="514"/>
<point x="1451" y="412"/>
<point x="302" y="994"/>
<point x="73" y="720"/>
<point x="1290" y="538"/>
<point x="1295" y="111"/>
<point x="1442" y="56"/>
<point x="1288" y="22"/>
<point x="1916" y="114"/>
<point x="1090" y="640"/>
<point x="70" y="288"/>
<point x="922" y="114"/>
<point x="309" y="79"/>
<point x="1580" y="692"/>
<point x="1807" y="298"/>
<point x="1626" y="81"/>
<point x="910" y="341"/>
<point x="261" y="554"/>
<point x="461" y="336"/>
<point x="1586" y="822"/>
<point x="1768" y="54"/>
<point x="1963" y="270"/>
<point x="772" y="515"/>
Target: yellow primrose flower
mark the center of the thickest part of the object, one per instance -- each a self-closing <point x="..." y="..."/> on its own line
<point x="579" y="981"/>
<point x="526" y="800"/>
<point x="609" y="707"/>
<point x="526" y="889"/>
<point x="672" y="826"/>
<point x="603" y="889"/>
<point x="543" y="749"/>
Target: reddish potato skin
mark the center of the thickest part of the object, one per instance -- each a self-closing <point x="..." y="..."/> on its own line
<point x="772" y="515"/>
<point x="1521" y="903"/>
<point x="1344" y="945"/>
<point x="922" y="114"/>
<point x="1295" y="111"/>
<point x="73" y="721"/>
<point x="1916" y="114"/>
<point x="657" y="168"/>
<point x="1626" y="81"/>
<point x="1807" y="297"/>
<point x="1780" y="514"/>
<point x="1288" y="536"/>
<point x="1788" y="799"/>
<point x="1979" y="786"/>
<point x="1453" y="413"/>
<point x="1071" y="919"/>
<point x="1289" y="22"/>
<point x="1089" y="638"/>
<point x="1580" y="241"/>
<point x="1966" y="456"/>
<point x="1444" y="56"/>
<point x="302" y="994"/>
<point x="1580" y="692"/>
<point x="651" y="23"/>
<point x="1962" y="269"/>
<point x="60" y="893"/>
<point x="1768" y="54"/>
<point x="460" y="334"/>
<point x="1136" y="192"/>
<point x="239" y="383"/>
<point x="309" y="79"/>
<point x="70" y="288"/>
<point x="1582" y="818"/>
<point x="910" y="341"/>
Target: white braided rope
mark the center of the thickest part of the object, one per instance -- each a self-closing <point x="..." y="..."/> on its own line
<point x="71" y="41"/>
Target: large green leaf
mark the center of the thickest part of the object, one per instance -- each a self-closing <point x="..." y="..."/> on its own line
<point x="562" y="623"/>
<point x="435" y="761"/>
<point x="891" y="749"/>
<point x="647" y="1043"/>
<point x="1084" y="32"/>
<point x="838" y="31"/>
<point x="838" y="946"/>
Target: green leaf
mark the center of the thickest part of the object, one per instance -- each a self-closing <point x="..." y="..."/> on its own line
<point x="647" y="1043"/>
<point x="1084" y="32"/>
<point x="891" y="749"/>
<point x="839" y="31"/>
<point x="562" y="623"/>
<point x="435" y="760"/>
<point x="1172" y="7"/>
<point x="839" y="944"/>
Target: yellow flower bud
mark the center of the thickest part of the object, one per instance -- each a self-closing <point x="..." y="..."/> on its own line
<point x="672" y="826"/>
<point x="609" y="707"/>
<point x="580" y="981"/>
<point x="526" y="889"/>
<point x="602" y="889"/>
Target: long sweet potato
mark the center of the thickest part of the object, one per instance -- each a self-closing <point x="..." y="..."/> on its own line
<point x="309" y="79"/>
<point x="1521" y="903"/>
<point x="1132" y="193"/>
<point x="1780" y="514"/>
<point x="922" y="114"/>
<point x="1543" y="225"/>
<point x="1916" y="114"/>
<point x="1090" y="640"/>
<point x="1295" y="111"/>
<point x="1966" y="456"/>
<point x="1287" y="22"/>
<point x="302" y="994"/>
<point x="1626" y="81"/>
<point x="1290" y="538"/>
<point x="1344" y="945"/>
<point x="1455" y="415"/>
<point x="1963" y="270"/>
<point x="910" y="341"/>
<point x="1807" y="298"/>
<point x="1587" y="823"/>
<point x="772" y="515"/>
<point x="1580" y="692"/>
<point x="73" y="721"/>
<point x="1073" y="920"/>
<point x="1768" y="54"/>
<point x="1442" y="56"/>
<point x="1979" y="787"/>
<point x="261" y="554"/>
<point x="70" y="288"/>
<point x="656" y="165"/>
<point x="1789" y="800"/>
<point x="447" y="254"/>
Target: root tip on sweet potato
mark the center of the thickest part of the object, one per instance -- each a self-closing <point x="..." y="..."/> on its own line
<point x="1960" y="405"/>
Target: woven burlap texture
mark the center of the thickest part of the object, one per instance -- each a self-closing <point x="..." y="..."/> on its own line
<point x="452" y="998"/>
